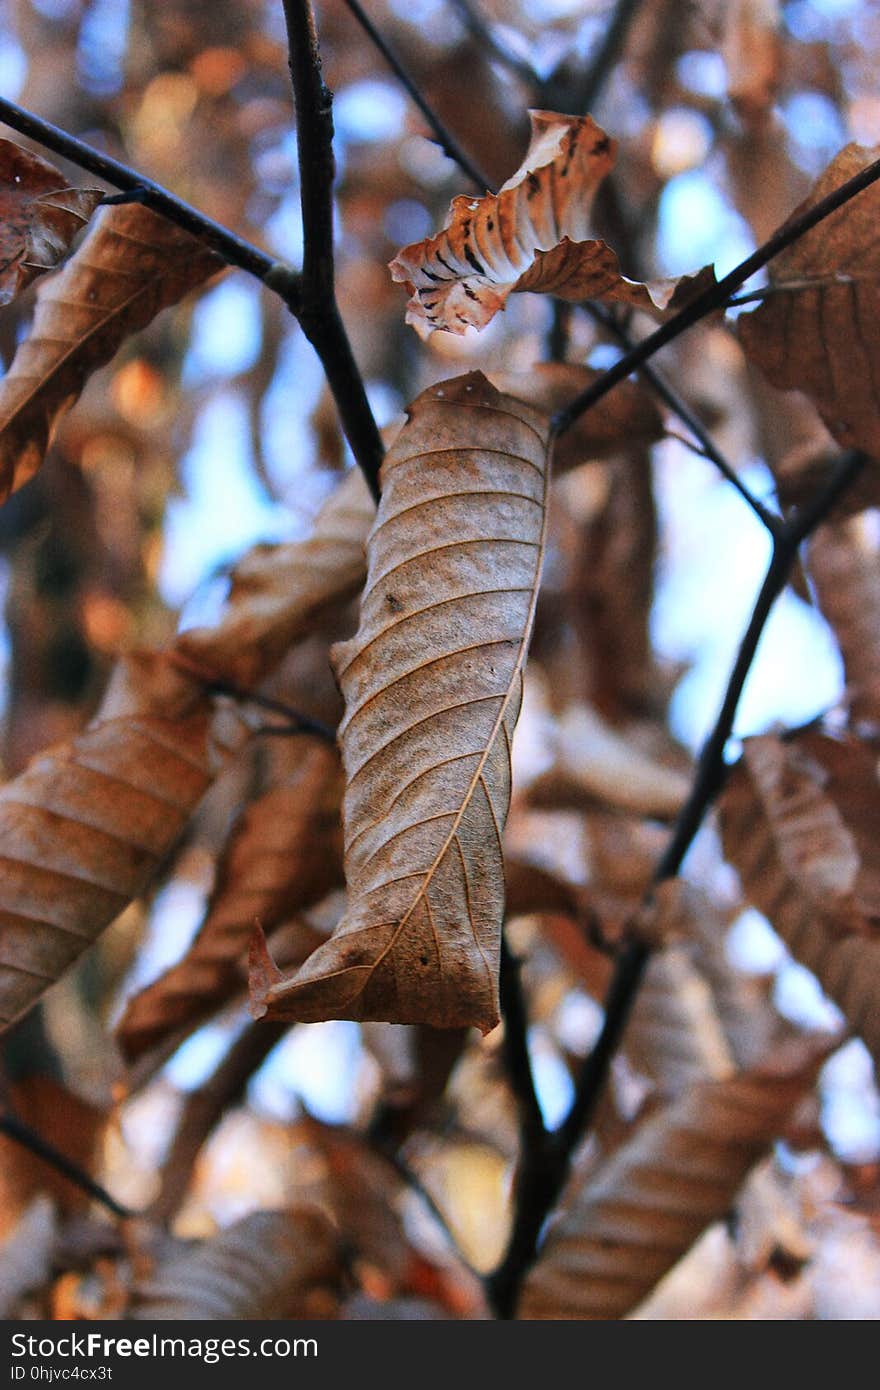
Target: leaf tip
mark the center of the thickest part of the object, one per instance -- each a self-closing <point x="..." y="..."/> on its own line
<point x="263" y="973"/>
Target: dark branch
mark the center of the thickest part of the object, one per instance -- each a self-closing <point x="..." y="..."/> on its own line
<point x="518" y="1067"/>
<point x="447" y="142"/>
<point x="716" y="296"/>
<point x="233" y="249"/>
<point x="671" y="398"/>
<point x="607" y="53"/>
<point x="487" y="37"/>
<point x="28" y="1138"/>
<point x="317" y="310"/>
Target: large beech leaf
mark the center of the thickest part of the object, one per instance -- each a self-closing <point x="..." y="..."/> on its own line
<point x="432" y="684"/>
<point x="85" y="826"/>
<point x="131" y="264"/>
<point x="798" y="821"/>
<point x="39" y="217"/>
<point x="675" y="1034"/>
<point x="532" y="235"/>
<point x="629" y="1222"/>
<point x="823" y="339"/>
<point x="263" y="1266"/>
<point x="283" y="854"/>
<point x="280" y="591"/>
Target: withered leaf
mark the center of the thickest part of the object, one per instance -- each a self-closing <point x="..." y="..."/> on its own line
<point x="823" y="339"/>
<point x="261" y="1267"/>
<point x="631" y="1220"/>
<point x="798" y="822"/>
<point x="675" y="1034"/>
<point x="432" y="684"/>
<point x="532" y="235"/>
<point x="279" y="591"/>
<point x="752" y="51"/>
<point x="131" y="264"/>
<point x="39" y="217"/>
<point x="284" y="853"/>
<point x="85" y="826"/>
<point x="842" y="562"/>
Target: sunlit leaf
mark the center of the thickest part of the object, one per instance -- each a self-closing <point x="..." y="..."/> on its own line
<point x="533" y="235"/>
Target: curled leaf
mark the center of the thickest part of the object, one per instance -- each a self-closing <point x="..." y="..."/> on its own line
<point x="532" y="235"/>
<point x="820" y="336"/>
<point x="432" y="685"/>
<point x="39" y="217"/>
<point x="631" y="1220"/>
<point x="131" y="264"/>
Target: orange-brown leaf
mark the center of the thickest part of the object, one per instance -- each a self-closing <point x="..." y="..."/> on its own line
<point x="432" y="684"/>
<point x="284" y="853"/>
<point x="532" y="235"/>
<point x="84" y="827"/>
<point x="131" y="264"/>
<point x="39" y="217"/>
<point x="637" y="1215"/>
<point x="278" y="592"/>
<point x="843" y="566"/>
<point x="824" y="339"/>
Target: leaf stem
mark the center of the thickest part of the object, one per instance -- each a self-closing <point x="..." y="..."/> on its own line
<point x="41" y="1148"/>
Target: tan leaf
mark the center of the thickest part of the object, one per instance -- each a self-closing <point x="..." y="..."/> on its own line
<point x="630" y="1221"/>
<point x="675" y="1034"/>
<point x="432" y="684"/>
<point x="261" y="1267"/>
<point x="842" y="562"/>
<point x="628" y="415"/>
<point x="595" y="763"/>
<point x="284" y="853"/>
<point x="532" y="235"/>
<point x="813" y="875"/>
<point x="39" y="217"/>
<point x="823" y="339"/>
<point x="131" y="264"/>
<point x="84" y="827"/>
<point x="278" y="592"/>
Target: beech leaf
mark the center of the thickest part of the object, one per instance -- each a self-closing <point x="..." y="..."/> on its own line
<point x="132" y="264"/>
<point x="432" y="684"/>
<point x="532" y="235"/>
<point x="822" y="338"/>
<point x="39" y="217"/>
<point x="629" y="1222"/>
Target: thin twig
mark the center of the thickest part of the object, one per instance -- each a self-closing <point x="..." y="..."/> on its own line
<point x="447" y="142"/>
<point x="233" y="249"/>
<point x="717" y="295"/>
<point x="607" y="53"/>
<point x="518" y="1067"/>
<point x="318" y="311"/>
<point x="542" y="1185"/>
<point x="487" y="37"/>
<point x="679" y="407"/>
<point x="35" y="1143"/>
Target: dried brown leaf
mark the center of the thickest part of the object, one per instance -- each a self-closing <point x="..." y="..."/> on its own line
<point x="39" y="217"/>
<point x="752" y="50"/>
<point x="85" y="826"/>
<point x="823" y="339"/>
<point x="132" y="264"/>
<point x="631" y="1220"/>
<point x="284" y="854"/>
<point x="261" y="1267"/>
<point x="797" y="821"/>
<point x="432" y="683"/>
<point x="675" y="1034"/>
<point x="532" y="235"/>
<point x="279" y="592"/>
